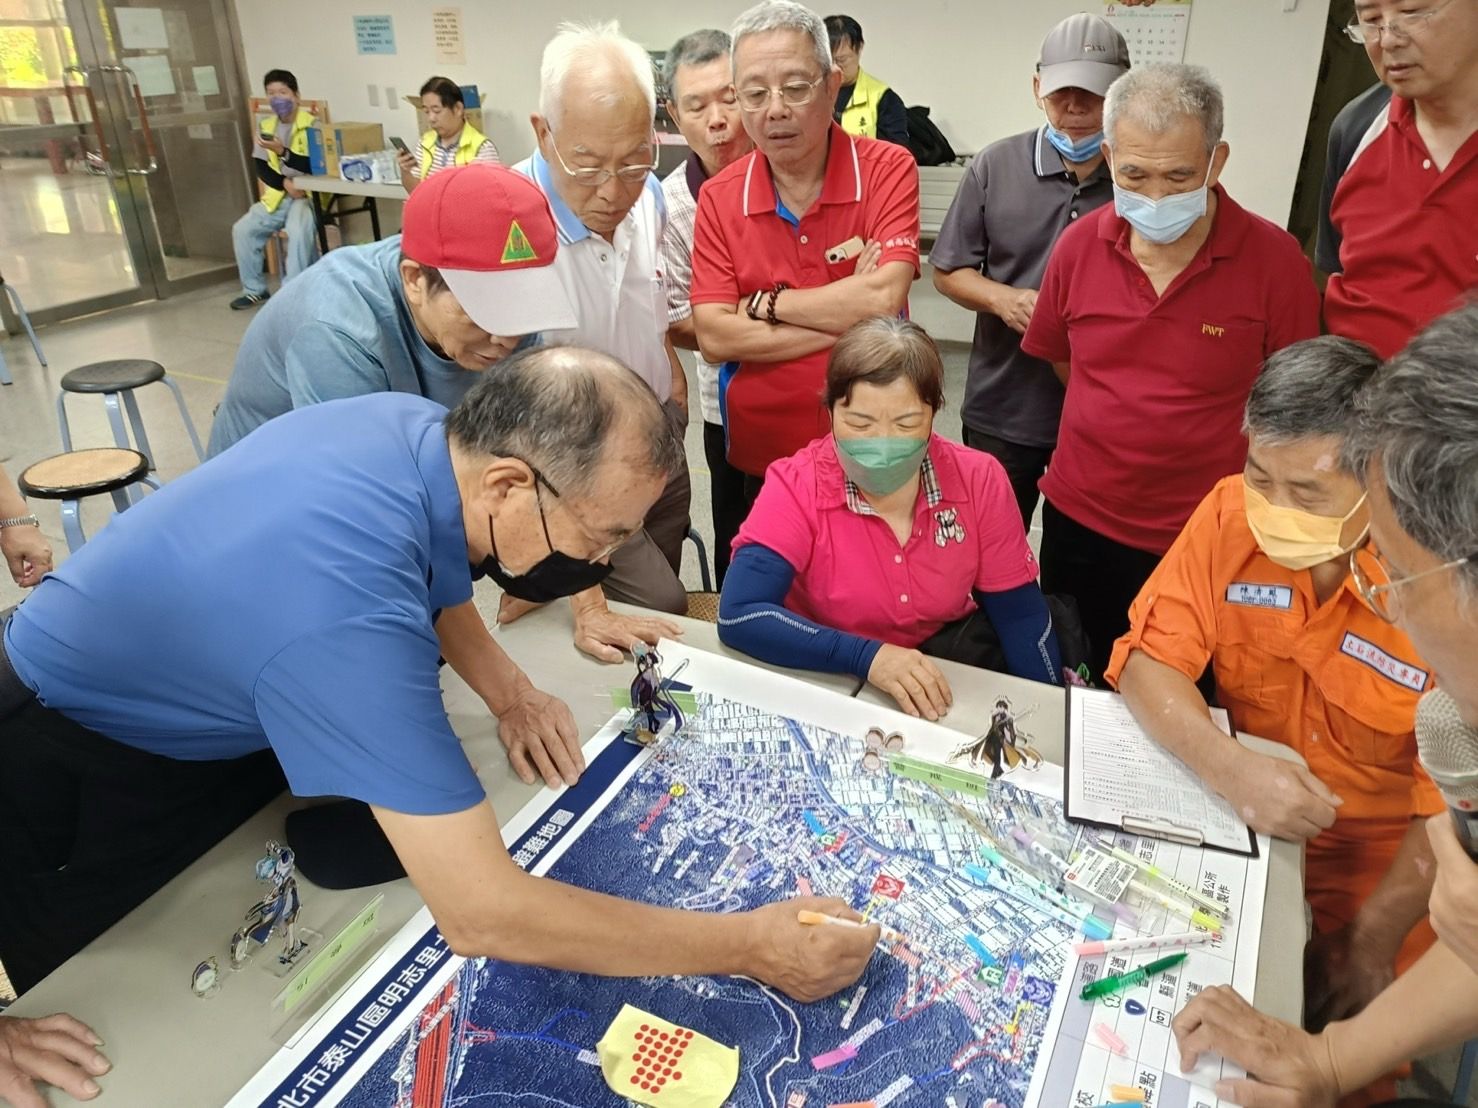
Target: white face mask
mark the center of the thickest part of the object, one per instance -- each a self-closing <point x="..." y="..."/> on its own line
<point x="1164" y="220"/>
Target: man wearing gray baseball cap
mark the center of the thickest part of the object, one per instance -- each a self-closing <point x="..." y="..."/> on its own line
<point x="1015" y="199"/>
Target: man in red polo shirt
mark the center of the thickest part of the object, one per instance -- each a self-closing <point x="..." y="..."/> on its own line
<point x="1397" y="231"/>
<point x="814" y="231"/>
<point x="1157" y="314"/>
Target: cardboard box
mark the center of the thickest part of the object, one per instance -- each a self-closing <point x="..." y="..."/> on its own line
<point x="327" y="144"/>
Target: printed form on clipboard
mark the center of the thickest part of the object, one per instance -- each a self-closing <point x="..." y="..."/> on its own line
<point x="1117" y="776"/>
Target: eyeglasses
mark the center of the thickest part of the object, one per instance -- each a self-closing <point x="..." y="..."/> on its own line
<point x="594" y="177"/>
<point x="604" y="552"/>
<point x="1401" y="26"/>
<point x="794" y="94"/>
<point x="1381" y="596"/>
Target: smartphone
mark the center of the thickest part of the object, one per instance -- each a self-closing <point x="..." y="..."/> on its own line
<point x="399" y="144"/>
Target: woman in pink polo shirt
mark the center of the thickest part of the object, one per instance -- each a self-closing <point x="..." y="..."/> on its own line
<point x="883" y="538"/>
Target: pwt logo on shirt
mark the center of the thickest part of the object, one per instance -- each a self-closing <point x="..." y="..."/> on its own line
<point x="1387" y="666"/>
<point x="1213" y="330"/>
<point x="1260" y="596"/>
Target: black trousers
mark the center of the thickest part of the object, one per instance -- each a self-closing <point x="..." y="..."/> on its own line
<point x="91" y="827"/>
<point x="1024" y="466"/>
<point x="726" y="489"/>
<point x="1102" y="575"/>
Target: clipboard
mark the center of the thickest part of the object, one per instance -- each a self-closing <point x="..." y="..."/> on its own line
<point x="1147" y="823"/>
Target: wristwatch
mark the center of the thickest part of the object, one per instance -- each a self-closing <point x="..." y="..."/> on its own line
<point x="19" y="521"/>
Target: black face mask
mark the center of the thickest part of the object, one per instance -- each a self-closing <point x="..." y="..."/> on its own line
<point x="553" y="576"/>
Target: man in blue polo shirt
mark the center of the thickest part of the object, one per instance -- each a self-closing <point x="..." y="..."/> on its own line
<point x="303" y="625"/>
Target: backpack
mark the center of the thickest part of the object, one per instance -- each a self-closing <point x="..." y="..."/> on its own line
<point x="926" y="141"/>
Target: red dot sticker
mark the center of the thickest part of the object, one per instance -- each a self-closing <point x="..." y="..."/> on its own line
<point x="646" y="1085"/>
<point x="663" y="1035"/>
<point x="635" y="1080"/>
<point x="677" y="1076"/>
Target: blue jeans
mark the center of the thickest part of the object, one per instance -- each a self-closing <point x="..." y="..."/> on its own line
<point x="250" y="233"/>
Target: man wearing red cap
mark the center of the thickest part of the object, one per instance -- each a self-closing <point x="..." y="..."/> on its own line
<point x="466" y="282"/>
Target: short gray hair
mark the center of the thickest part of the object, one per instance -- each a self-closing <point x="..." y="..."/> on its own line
<point x="1419" y="420"/>
<point x="785" y="15"/>
<point x="558" y="408"/>
<point x="1160" y="94"/>
<point x="697" y="48"/>
<point x="1309" y="390"/>
<point x="577" y="44"/>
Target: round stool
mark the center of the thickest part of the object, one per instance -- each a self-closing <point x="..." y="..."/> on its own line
<point x="115" y="381"/>
<point x="78" y="474"/>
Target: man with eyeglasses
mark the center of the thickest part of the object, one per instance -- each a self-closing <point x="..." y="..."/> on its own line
<point x="813" y="232"/>
<point x="1259" y="588"/>
<point x="1396" y="215"/>
<point x="138" y="725"/>
<point x="596" y="149"/>
<point x="1415" y="445"/>
<point x="701" y="100"/>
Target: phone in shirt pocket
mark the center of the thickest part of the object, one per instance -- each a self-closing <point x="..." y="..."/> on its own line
<point x="841" y="259"/>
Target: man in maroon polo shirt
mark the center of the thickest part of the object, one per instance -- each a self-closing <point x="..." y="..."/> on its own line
<point x="1157" y="314"/>
<point x="814" y="231"/>
<point x="1398" y="233"/>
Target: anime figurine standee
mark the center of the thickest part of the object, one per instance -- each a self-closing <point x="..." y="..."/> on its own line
<point x="276" y="912"/>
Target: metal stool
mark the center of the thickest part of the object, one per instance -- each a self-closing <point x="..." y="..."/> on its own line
<point x="73" y="476"/>
<point x="20" y="312"/>
<point x="114" y="380"/>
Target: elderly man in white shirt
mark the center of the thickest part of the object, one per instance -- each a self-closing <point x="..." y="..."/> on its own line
<point x="594" y="160"/>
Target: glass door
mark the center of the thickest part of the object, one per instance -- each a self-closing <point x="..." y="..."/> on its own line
<point x="62" y="239"/>
<point x="133" y="171"/>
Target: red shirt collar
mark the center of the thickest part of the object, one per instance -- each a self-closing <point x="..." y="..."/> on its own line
<point x="1227" y="227"/>
<point x="841" y="185"/>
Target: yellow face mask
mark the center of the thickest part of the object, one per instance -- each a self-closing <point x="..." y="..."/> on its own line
<point x="1293" y="538"/>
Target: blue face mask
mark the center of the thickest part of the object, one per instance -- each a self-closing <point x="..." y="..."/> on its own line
<point x="1165" y="220"/>
<point x="281" y="104"/>
<point x="1080" y="151"/>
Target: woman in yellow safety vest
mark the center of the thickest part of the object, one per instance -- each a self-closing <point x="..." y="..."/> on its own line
<point x="450" y="141"/>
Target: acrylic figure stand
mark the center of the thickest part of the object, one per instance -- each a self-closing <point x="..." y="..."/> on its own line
<point x="1003" y="744"/>
<point x="655" y="712"/>
<point x="277" y="910"/>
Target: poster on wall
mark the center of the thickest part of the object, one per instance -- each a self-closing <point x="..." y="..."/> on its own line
<point x="141" y="28"/>
<point x="374" y="34"/>
<point x="446" y="29"/>
<point x="1154" y="29"/>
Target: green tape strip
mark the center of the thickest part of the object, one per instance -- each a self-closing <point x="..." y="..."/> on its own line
<point x="687" y="701"/>
<point x="334" y="955"/>
<point x="932" y="773"/>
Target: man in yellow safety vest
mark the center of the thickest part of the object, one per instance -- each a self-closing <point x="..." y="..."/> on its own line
<point x="865" y="106"/>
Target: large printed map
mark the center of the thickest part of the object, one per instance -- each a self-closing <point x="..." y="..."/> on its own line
<point x="746" y="806"/>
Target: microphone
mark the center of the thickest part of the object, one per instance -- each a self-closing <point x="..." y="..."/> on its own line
<point x="1448" y="750"/>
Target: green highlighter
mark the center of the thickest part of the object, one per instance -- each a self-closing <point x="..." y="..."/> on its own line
<point x="1106" y="985"/>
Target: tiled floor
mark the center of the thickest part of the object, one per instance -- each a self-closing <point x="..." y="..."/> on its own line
<point x="195" y="336"/>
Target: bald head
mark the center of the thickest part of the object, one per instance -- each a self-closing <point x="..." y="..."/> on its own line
<point x="568" y="412"/>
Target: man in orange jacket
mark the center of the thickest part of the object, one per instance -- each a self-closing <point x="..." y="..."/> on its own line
<point x="1259" y="585"/>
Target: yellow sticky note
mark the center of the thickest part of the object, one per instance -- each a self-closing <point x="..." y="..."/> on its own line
<point x="651" y="1061"/>
<point x="1131" y="1094"/>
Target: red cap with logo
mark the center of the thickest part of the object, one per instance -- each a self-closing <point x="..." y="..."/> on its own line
<point x="490" y="232"/>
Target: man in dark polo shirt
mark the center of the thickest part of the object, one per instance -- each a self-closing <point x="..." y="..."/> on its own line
<point x="1396" y="218"/>
<point x="1015" y="199"/>
<point x="1157" y="314"/>
<point x="812" y="232"/>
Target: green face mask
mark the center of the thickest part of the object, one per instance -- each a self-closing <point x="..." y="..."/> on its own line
<point x="881" y="465"/>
